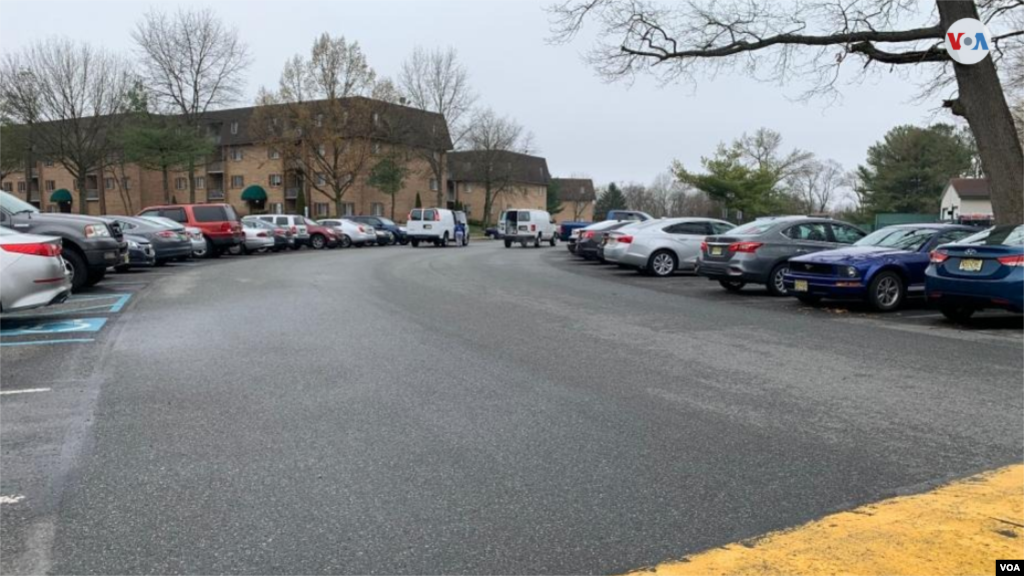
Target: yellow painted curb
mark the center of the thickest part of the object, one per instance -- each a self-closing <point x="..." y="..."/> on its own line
<point x="959" y="528"/>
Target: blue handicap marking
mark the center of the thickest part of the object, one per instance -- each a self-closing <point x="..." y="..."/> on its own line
<point x="34" y="328"/>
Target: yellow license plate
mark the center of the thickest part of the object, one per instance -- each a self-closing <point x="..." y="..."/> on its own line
<point x="971" y="265"/>
<point x="716" y="250"/>
<point x="800" y="285"/>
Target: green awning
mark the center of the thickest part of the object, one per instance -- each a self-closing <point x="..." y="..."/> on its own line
<point x="254" y="193"/>
<point x="60" y="195"/>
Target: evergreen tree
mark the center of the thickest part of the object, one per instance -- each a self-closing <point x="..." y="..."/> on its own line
<point x="611" y="199"/>
<point x="300" y="203"/>
<point x="554" y="198"/>
<point x="388" y="176"/>
<point x="419" y="203"/>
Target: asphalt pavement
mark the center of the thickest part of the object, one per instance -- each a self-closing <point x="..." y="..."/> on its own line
<point x="474" y="410"/>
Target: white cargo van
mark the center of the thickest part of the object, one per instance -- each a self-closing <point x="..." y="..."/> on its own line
<point x="527" y="226"/>
<point x="435" y="225"/>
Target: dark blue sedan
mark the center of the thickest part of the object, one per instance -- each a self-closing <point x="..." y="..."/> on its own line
<point x="982" y="271"/>
<point x="882" y="268"/>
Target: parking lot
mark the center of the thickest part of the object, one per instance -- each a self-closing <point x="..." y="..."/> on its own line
<point x="468" y="410"/>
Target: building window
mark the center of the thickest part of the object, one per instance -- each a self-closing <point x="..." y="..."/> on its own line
<point x="236" y="154"/>
<point x="322" y="209"/>
<point x="237" y="181"/>
<point x="433" y="184"/>
<point x="200" y="182"/>
<point x="180" y="183"/>
<point x="21" y="186"/>
<point x="276" y="180"/>
<point x="51" y="185"/>
<point x="321" y="150"/>
<point x="234" y="127"/>
<point x="319" y="120"/>
<point x="376" y="118"/>
<point x="321" y="180"/>
<point x="8" y="187"/>
<point x="48" y="163"/>
<point x="467" y="188"/>
<point x="468" y="210"/>
<point x="274" y="154"/>
<point x="108" y="183"/>
<point x="377" y="209"/>
<point x="92" y="195"/>
<point x="127" y="183"/>
<point x="376" y="148"/>
<point x="348" y="209"/>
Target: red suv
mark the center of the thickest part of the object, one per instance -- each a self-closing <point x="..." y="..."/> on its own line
<point x="219" y="223"/>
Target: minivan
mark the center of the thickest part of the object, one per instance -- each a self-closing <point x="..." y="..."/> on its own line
<point x="220" y="225"/>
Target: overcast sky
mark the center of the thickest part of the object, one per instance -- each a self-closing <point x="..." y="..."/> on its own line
<point x="610" y="132"/>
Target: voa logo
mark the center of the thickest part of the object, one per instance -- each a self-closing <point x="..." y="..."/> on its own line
<point x="967" y="41"/>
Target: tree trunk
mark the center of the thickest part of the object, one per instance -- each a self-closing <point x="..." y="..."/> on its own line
<point x="167" y="187"/>
<point x="83" y="204"/>
<point x="337" y="205"/>
<point x="102" y="191"/>
<point x="192" y="181"/>
<point x="393" y="206"/>
<point x="488" y="202"/>
<point x="982" y="102"/>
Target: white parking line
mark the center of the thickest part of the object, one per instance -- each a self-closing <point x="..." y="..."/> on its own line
<point x="25" y="391"/>
<point x="11" y="499"/>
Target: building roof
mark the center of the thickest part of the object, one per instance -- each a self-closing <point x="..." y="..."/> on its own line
<point x="513" y="167"/>
<point x="575" y="189"/>
<point x="972" y="188"/>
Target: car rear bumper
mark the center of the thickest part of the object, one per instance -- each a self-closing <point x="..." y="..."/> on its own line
<point x="167" y="252"/>
<point x="728" y="270"/>
<point x="226" y="240"/>
<point x="1007" y="294"/>
<point x="105" y="253"/>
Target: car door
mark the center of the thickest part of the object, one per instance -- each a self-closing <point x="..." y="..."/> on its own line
<point x="685" y="239"/>
<point x="806" y="238"/>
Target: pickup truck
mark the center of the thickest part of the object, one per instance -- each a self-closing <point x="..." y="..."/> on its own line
<point x="90" y="244"/>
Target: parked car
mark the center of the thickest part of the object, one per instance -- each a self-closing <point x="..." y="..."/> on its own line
<point x="351" y="233"/>
<point x="589" y="239"/>
<point x="758" y="252"/>
<point x="387" y="231"/>
<point x="32" y="272"/>
<point x="565" y="229"/>
<point x="140" y="254"/>
<point x="195" y="235"/>
<point x="168" y="241"/>
<point x="661" y="247"/>
<point x="982" y="271"/>
<point x="527" y="226"/>
<point x="220" y="225"/>
<point x="321" y="236"/>
<point x="257" y="238"/>
<point x="883" y="268"/>
<point x="628" y="215"/>
<point x="434" y="225"/>
<point x="283" y="237"/>
<point x="89" y="245"/>
<point x="295" y="222"/>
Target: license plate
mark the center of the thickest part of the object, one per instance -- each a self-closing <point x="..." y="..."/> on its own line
<point x="971" y="265"/>
<point x="800" y="285"/>
<point x="126" y="257"/>
<point x="716" y="250"/>
<point x="426" y="226"/>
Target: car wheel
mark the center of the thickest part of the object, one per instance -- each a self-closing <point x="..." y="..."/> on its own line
<point x="776" y="285"/>
<point x="318" y="241"/>
<point x="200" y="252"/>
<point x="94" y="275"/>
<point x="444" y="240"/>
<point x="122" y="268"/>
<point x="211" y="250"/>
<point x="536" y="242"/>
<point x="553" y="241"/>
<point x="75" y="263"/>
<point x="732" y="285"/>
<point x="662" y="263"/>
<point x="403" y="241"/>
<point x="346" y="241"/>
<point x="957" y="313"/>
<point x="809" y="299"/>
<point x="508" y="243"/>
<point x="886" y="291"/>
<point x="160" y="262"/>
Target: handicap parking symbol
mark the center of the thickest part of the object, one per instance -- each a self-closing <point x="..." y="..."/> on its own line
<point x="36" y="328"/>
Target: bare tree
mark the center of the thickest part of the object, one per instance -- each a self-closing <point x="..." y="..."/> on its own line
<point x="74" y="97"/>
<point x="766" y="41"/>
<point x="492" y="138"/>
<point x="191" y="62"/>
<point x="326" y="133"/>
<point x="818" y="185"/>
<point x="435" y="81"/>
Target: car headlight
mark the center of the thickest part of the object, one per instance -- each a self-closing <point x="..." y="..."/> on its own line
<point x="97" y="231"/>
<point x="850" y="271"/>
<point x="133" y="244"/>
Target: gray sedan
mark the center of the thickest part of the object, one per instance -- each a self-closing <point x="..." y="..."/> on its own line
<point x="758" y="252"/>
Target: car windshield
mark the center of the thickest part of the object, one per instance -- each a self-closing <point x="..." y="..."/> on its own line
<point x="899" y="238"/>
<point x="386" y="221"/>
<point x="1005" y="235"/>
<point x="15" y="205"/>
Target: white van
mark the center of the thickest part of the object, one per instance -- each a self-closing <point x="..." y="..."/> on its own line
<point x="435" y="225"/>
<point x="525" y="226"/>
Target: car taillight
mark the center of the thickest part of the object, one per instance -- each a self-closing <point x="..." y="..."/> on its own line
<point x="361" y="229"/>
<point x="625" y="239"/>
<point x="1015" y="261"/>
<point x="166" y="234"/>
<point x="703" y="246"/>
<point x="437" y="216"/>
<point x="34" y="249"/>
<point x="748" y="247"/>
<point x="937" y="257"/>
<point x="278" y="232"/>
<point x="261" y="234"/>
<point x="588" y="235"/>
<point x="226" y="227"/>
<point x="295" y="230"/>
<point x="533" y="227"/>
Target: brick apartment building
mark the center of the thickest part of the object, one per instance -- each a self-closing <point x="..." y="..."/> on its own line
<point x="517" y="180"/>
<point x="243" y="165"/>
<point x="578" y="197"/>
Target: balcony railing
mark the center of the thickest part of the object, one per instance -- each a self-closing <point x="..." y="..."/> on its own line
<point x="92" y="194"/>
<point x="215" y="194"/>
<point x="291" y="193"/>
<point x="34" y="196"/>
<point x="215" y="167"/>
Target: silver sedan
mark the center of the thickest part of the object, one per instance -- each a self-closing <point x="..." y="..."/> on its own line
<point x="32" y="272"/>
<point x="660" y="247"/>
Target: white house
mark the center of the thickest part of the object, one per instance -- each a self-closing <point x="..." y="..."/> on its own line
<point x="966" y="200"/>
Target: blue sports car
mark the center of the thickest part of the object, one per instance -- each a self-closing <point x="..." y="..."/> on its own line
<point x="882" y="268"/>
<point x="982" y="271"/>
